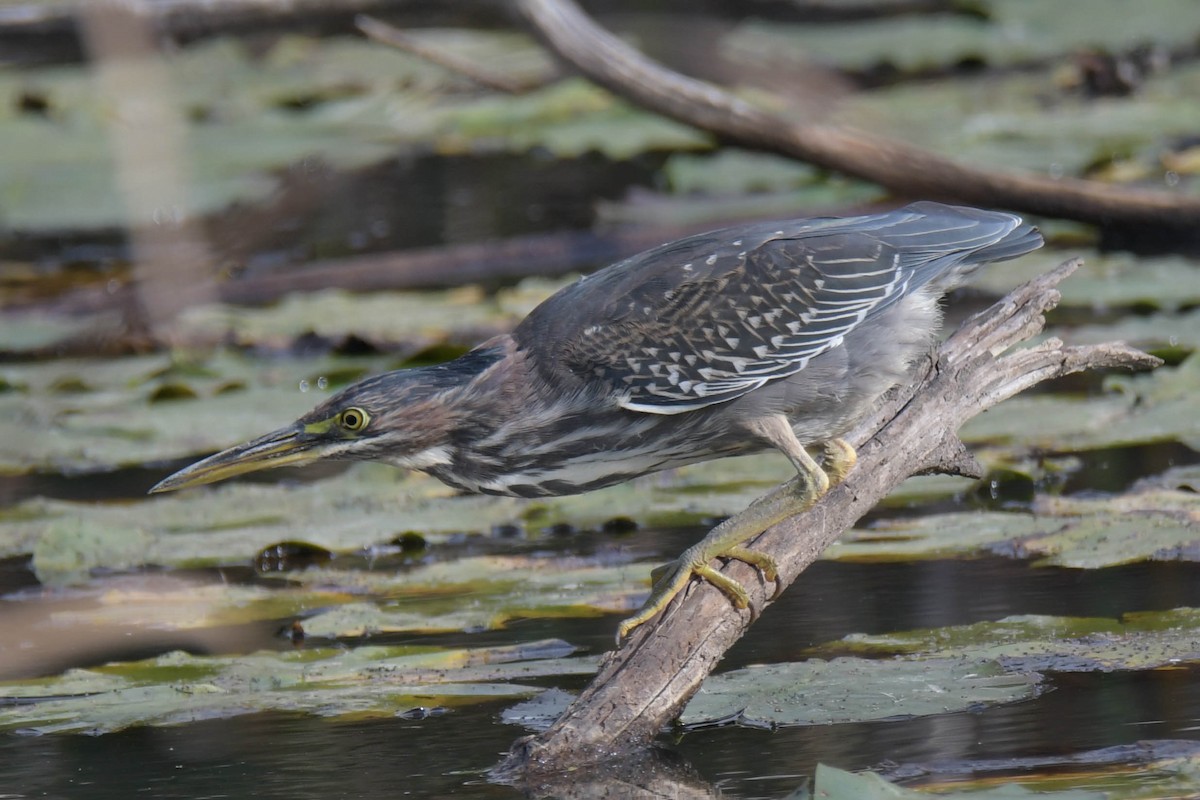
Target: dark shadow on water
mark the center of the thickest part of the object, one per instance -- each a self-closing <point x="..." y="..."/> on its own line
<point x="1081" y="712"/>
<point x="832" y="599"/>
<point x="412" y="201"/>
<point x="1116" y="469"/>
<point x="266" y="755"/>
<point x="133" y="483"/>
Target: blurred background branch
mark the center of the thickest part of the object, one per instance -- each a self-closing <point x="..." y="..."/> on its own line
<point x="903" y="169"/>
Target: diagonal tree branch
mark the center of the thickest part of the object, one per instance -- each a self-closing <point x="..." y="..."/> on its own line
<point x="480" y="73"/>
<point x="644" y="684"/>
<point x="906" y="170"/>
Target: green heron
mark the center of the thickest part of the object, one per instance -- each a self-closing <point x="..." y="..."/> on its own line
<point x="771" y="335"/>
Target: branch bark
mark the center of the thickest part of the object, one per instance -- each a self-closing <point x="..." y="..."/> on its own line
<point x="904" y="169"/>
<point x="47" y="33"/>
<point x="643" y="685"/>
<point x="480" y="73"/>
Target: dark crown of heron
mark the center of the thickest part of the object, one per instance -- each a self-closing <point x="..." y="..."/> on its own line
<point x="402" y="417"/>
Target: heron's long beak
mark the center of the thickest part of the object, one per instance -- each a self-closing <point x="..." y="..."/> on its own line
<point x="292" y="445"/>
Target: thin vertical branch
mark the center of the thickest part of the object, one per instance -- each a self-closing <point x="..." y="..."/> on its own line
<point x="148" y="135"/>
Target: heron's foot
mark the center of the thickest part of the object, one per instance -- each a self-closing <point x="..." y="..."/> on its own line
<point x="670" y="579"/>
<point x="840" y="458"/>
<point x="727" y="540"/>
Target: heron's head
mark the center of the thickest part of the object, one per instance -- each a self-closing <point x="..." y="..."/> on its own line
<point x="402" y="418"/>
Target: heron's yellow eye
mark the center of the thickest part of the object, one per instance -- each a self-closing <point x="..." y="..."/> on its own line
<point x="353" y="420"/>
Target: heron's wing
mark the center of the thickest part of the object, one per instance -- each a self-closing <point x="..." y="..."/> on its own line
<point x="762" y="315"/>
<point x="710" y="318"/>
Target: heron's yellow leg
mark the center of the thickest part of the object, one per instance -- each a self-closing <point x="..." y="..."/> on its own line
<point x="727" y="539"/>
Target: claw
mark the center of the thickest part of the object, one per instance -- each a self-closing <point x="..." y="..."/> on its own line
<point x="840" y="458"/>
<point x="727" y="539"/>
<point x="670" y="579"/>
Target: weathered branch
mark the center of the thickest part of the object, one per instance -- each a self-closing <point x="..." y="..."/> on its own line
<point x="480" y="73"/>
<point x="489" y="262"/>
<point x="644" y="684"/>
<point x="909" y="171"/>
<point x="41" y="33"/>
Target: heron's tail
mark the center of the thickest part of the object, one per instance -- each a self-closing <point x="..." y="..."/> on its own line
<point x="944" y="244"/>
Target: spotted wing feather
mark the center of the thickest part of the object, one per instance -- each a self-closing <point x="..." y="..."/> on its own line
<point x="713" y="317"/>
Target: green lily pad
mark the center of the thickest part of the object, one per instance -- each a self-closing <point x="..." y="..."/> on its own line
<point x="367" y="681"/>
<point x="1105" y="281"/>
<point x="344" y="102"/>
<point x="1016" y="31"/>
<point x="539" y="712"/>
<point x="1153" y="407"/>
<point x="386" y="320"/>
<point x="399" y="323"/>
<point x="1145" y="770"/>
<point x="1104" y="541"/>
<point x="1026" y="120"/>
<point x="1084" y="533"/>
<point x="835" y="784"/>
<point x="24" y="332"/>
<point x="937" y="536"/>
<point x="1185" y="479"/>
<point x="1157" y="333"/>
<point x="1147" y="640"/>
<point x="568" y="118"/>
<point x="942" y="670"/>
<point x="89" y="415"/>
<point x="68" y="548"/>
<point x="734" y="171"/>
<point x="720" y="187"/>
<point x="817" y="692"/>
<point x="365" y="506"/>
<point x="480" y="593"/>
<point x="59" y="169"/>
<point x="231" y="524"/>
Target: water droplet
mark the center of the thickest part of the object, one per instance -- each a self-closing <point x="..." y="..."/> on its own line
<point x="1173" y="341"/>
<point x="322" y="383"/>
<point x="1056" y="170"/>
<point x="1171" y="178"/>
<point x="304" y="386"/>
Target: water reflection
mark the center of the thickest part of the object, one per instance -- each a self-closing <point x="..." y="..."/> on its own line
<point x="264" y="756"/>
